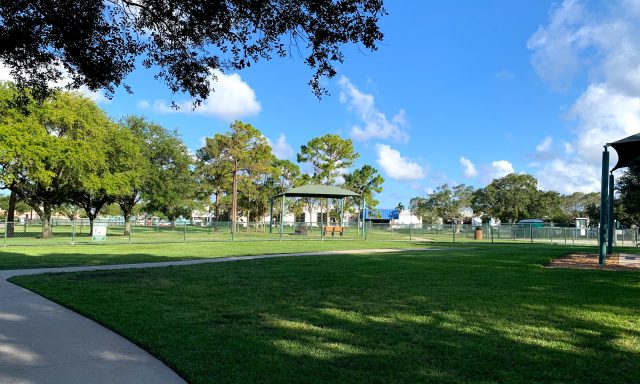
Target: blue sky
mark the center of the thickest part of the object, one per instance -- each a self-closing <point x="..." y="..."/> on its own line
<point x="458" y="92"/>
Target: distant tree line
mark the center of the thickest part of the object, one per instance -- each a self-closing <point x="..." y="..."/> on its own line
<point x="65" y="155"/>
<point x="515" y="197"/>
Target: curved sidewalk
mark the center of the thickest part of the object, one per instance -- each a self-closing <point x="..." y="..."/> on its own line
<point x="43" y="342"/>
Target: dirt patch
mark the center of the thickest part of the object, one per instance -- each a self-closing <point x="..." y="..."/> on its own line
<point x="615" y="262"/>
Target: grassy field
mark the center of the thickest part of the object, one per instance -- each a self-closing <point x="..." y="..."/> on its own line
<point x="474" y="314"/>
<point x="64" y="255"/>
<point x="68" y="234"/>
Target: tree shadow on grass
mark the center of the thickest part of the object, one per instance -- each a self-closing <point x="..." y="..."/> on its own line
<point x="409" y="318"/>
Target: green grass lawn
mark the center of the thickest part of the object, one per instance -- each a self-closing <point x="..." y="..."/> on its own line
<point x="475" y="314"/>
<point x="60" y="255"/>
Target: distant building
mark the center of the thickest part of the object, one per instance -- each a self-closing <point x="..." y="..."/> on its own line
<point x="391" y="216"/>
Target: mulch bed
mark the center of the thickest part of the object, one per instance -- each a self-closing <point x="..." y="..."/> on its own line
<point x="615" y="262"/>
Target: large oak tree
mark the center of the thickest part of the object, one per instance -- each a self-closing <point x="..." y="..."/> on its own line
<point x="52" y="153"/>
<point x="96" y="43"/>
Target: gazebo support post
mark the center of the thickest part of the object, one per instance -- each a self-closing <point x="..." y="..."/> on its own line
<point x="282" y="215"/>
<point x="271" y="215"/>
<point x="604" y="193"/>
<point x="611" y="221"/>
<point x="321" y="221"/>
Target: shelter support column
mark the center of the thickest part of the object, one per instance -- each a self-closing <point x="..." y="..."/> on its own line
<point x="321" y="220"/>
<point x="282" y="216"/>
<point x="610" y="225"/>
<point x="604" y="194"/>
<point x="271" y="215"/>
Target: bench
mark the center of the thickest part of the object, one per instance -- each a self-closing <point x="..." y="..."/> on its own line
<point x="333" y="230"/>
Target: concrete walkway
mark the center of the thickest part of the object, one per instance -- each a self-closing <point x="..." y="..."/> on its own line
<point x="43" y="342"/>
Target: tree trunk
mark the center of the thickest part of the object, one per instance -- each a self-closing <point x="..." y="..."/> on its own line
<point x="11" y="214"/>
<point x="172" y="218"/>
<point x="234" y="201"/>
<point x="45" y="216"/>
<point x="127" y="223"/>
<point x="91" y="219"/>
<point x="126" y="205"/>
<point x="217" y="211"/>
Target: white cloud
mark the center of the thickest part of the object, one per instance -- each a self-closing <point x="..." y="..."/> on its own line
<point x="602" y="45"/>
<point x="5" y="74"/>
<point x="545" y="145"/>
<point x="568" y="148"/>
<point x="376" y="125"/>
<point x="97" y="96"/>
<point x="569" y="176"/>
<point x="231" y="98"/>
<point x="556" y="45"/>
<point x="500" y="168"/>
<point x="143" y="104"/>
<point x="280" y="148"/>
<point x="468" y="168"/>
<point x="504" y="74"/>
<point x="396" y="166"/>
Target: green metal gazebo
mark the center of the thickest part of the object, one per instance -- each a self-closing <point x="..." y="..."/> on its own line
<point x="628" y="150"/>
<point x="313" y="191"/>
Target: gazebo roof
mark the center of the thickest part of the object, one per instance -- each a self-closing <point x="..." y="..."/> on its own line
<point x="628" y="150"/>
<point x="316" y="190"/>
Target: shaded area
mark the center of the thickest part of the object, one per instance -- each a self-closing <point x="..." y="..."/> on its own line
<point x="63" y="256"/>
<point x="480" y="315"/>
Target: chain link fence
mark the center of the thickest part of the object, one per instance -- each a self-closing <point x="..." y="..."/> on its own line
<point x="79" y="232"/>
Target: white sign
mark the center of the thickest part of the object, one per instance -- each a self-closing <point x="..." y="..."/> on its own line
<point x="99" y="232"/>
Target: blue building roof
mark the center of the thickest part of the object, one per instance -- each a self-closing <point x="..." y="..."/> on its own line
<point x="381" y="213"/>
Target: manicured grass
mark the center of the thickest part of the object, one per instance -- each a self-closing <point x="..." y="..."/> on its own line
<point x="476" y="314"/>
<point x="59" y="256"/>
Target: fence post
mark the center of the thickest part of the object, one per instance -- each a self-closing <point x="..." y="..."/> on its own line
<point x="453" y="227"/>
<point x="130" y="230"/>
<point x="232" y="231"/>
<point x="551" y="230"/>
<point x="185" y="232"/>
<point x="491" y="232"/>
<point x="73" y="232"/>
<point x="564" y="231"/>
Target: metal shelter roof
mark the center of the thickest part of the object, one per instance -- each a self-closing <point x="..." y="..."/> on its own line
<point x="316" y="190"/>
<point x="628" y="150"/>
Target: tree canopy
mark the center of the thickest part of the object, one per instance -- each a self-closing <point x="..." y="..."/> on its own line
<point x="329" y="155"/>
<point x="55" y="151"/>
<point x="446" y="203"/>
<point x="96" y="43"/>
<point x="629" y="189"/>
<point x="241" y="152"/>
